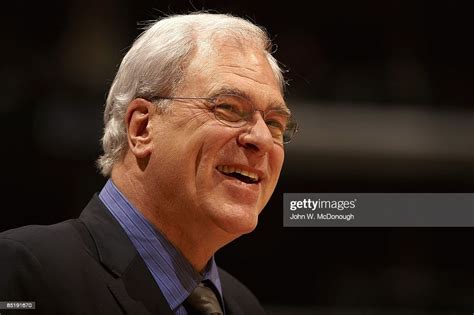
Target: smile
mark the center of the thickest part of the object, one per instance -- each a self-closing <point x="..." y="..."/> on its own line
<point x="240" y="174"/>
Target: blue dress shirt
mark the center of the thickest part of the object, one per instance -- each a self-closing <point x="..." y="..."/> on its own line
<point x="173" y="274"/>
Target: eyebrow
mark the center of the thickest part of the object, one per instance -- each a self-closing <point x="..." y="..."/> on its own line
<point x="235" y="91"/>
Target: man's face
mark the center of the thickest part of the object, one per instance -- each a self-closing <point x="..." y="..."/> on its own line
<point x="194" y="155"/>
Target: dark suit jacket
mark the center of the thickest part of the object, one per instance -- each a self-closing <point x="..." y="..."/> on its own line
<point x="89" y="266"/>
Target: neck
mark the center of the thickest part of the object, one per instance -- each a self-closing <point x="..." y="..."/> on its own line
<point x="196" y="240"/>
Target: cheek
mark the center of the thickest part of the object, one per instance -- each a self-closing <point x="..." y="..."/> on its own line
<point x="213" y="147"/>
<point x="277" y="157"/>
<point x="275" y="164"/>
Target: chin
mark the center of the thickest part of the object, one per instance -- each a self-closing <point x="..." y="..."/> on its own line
<point x="239" y="228"/>
<point x="237" y="220"/>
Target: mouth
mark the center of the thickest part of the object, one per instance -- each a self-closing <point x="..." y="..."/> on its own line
<point x="240" y="174"/>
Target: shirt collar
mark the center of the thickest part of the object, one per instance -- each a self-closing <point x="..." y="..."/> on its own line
<point x="172" y="272"/>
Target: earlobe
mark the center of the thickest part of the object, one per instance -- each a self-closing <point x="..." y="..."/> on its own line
<point x="138" y="122"/>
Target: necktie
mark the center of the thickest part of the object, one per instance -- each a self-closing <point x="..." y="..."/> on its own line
<point x="204" y="301"/>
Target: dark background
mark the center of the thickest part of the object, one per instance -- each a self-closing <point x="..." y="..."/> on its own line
<point x="384" y="94"/>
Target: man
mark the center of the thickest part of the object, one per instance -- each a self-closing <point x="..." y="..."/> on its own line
<point x="195" y="124"/>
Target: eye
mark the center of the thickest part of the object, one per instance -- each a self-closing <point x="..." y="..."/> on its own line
<point x="228" y="112"/>
<point x="273" y="123"/>
<point x="276" y="120"/>
<point x="224" y="107"/>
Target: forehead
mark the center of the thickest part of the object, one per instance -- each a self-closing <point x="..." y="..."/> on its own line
<point x="233" y="66"/>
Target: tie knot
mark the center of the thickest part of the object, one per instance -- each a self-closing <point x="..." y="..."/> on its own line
<point x="203" y="301"/>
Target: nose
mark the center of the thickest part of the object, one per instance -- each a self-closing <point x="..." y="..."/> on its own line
<point x="257" y="136"/>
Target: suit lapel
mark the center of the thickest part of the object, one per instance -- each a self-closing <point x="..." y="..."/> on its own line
<point x="129" y="306"/>
<point x="231" y="305"/>
<point x="133" y="285"/>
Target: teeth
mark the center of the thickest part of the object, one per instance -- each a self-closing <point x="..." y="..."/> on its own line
<point x="229" y="170"/>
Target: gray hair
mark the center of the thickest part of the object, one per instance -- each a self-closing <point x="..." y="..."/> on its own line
<point x="156" y="64"/>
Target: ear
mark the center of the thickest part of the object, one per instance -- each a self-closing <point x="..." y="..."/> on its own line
<point x="138" y="122"/>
